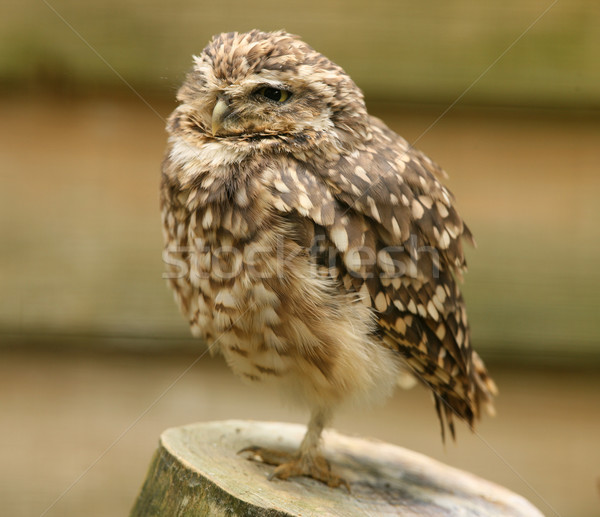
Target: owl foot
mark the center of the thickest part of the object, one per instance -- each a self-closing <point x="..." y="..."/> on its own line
<point x="291" y="465"/>
<point x="268" y="456"/>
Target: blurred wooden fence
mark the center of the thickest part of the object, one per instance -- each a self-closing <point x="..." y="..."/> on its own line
<point x="537" y="52"/>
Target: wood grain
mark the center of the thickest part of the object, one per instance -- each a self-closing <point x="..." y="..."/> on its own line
<point x="196" y="471"/>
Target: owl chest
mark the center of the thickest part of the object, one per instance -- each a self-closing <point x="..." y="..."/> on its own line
<point x="231" y="275"/>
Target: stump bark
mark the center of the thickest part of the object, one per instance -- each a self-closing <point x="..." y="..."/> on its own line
<point x="196" y="471"/>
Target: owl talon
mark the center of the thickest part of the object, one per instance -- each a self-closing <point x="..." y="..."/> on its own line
<point x="290" y="465"/>
<point x="268" y="456"/>
<point x="316" y="468"/>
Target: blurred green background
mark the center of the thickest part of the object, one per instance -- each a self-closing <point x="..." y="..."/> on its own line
<point x="504" y="95"/>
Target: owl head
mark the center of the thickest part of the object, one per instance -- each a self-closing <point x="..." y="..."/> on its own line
<point x="262" y="91"/>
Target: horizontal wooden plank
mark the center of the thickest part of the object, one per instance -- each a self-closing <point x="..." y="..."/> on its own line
<point x="513" y="52"/>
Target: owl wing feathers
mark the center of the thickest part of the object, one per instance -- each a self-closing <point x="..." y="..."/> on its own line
<point x="398" y="243"/>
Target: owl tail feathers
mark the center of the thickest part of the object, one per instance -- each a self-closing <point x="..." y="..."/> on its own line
<point x="448" y="405"/>
<point x="451" y="402"/>
<point x="445" y="416"/>
<point x="485" y="387"/>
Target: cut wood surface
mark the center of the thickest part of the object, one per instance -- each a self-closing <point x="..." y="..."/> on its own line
<point x="197" y="471"/>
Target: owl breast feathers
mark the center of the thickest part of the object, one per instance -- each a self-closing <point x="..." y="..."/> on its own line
<point x="307" y="242"/>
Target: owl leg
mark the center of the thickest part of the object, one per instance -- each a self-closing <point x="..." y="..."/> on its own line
<point x="308" y="461"/>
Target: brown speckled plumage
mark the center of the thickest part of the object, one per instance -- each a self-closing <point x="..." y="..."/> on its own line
<point x="310" y="244"/>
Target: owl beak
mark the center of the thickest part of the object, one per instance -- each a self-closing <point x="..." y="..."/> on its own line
<point x="220" y="112"/>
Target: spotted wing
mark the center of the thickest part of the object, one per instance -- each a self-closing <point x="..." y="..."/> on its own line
<point x="397" y="240"/>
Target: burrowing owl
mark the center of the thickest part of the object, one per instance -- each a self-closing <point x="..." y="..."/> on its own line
<point x="308" y="243"/>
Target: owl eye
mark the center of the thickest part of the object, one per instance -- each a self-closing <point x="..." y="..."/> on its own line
<point x="274" y="94"/>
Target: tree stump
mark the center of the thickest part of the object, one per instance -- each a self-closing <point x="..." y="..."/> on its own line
<point x="196" y="471"/>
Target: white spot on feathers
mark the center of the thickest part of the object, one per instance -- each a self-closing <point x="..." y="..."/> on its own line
<point x="380" y="302"/>
<point x="396" y="228"/>
<point x="352" y="260"/>
<point x="361" y="173"/>
<point x="373" y="207"/>
<point x="281" y="186"/>
<point x="399" y="306"/>
<point x="417" y="209"/>
<point x="225" y="298"/>
<point x="432" y="310"/>
<point x="444" y="240"/>
<point x="207" y="219"/>
<point x="339" y="237"/>
<point x="441" y="208"/>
